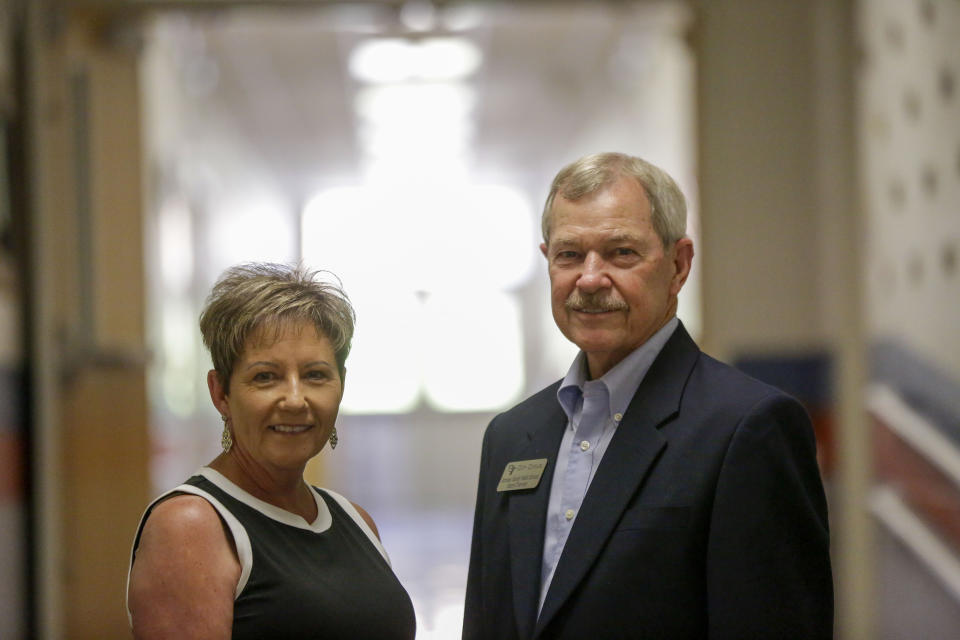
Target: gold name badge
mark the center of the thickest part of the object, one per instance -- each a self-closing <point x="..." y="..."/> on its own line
<point x="522" y="474"/>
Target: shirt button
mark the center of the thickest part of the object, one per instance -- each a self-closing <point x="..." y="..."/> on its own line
<point x="569" y="514"/>
<point x="584" y="445"/>
<point x="618" y="417"/>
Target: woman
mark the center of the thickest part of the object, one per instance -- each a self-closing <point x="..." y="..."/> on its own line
<point x="245" y="548"/>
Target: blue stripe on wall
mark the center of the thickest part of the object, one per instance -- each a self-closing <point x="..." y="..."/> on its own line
<point x="925" y="387"/>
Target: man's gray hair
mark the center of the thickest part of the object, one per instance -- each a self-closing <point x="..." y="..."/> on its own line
<point x="592" y="173"/>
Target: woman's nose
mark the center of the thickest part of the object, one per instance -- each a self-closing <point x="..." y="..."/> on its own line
<point x="293" y="398"/>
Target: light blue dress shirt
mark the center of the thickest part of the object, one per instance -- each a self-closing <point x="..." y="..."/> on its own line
<point x="594" y="409"/>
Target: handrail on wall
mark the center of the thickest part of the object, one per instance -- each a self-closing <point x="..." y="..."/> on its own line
<point x="915" y="429"/>
<point x="942" y="563"/>
<point x="938" y="557"/>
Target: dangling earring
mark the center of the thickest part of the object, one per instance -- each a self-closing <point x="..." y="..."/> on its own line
<point x="334" y="439"/>
<point x="226" y="440"/>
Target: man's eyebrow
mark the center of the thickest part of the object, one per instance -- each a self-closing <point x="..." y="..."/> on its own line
<point x="625" y="237"/>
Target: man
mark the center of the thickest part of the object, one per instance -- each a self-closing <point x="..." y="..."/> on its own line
<point x="653" y="492"/>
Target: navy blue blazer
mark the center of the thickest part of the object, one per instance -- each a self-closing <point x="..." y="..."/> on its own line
<point x="706" y="518"/>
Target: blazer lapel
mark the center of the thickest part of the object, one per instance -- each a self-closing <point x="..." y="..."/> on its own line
<point x="527" y="518"/>
<point x="632" y="452"/>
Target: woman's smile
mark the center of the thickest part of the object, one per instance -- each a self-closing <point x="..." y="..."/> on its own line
<point x="290" y="428"/>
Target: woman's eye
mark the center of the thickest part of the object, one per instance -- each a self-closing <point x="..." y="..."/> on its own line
<point x="317" y="375"/>
<point x="263" y="376"/>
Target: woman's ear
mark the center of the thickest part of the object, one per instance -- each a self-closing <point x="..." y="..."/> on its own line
<point x="217" y="393"/>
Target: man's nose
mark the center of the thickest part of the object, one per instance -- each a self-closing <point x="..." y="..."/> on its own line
<point x="594" y="275"/>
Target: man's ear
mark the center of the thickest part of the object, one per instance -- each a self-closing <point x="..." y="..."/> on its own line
<point x="682" y="263"/>
<point x="543" y="249"/>
<point x="217" y="393"/>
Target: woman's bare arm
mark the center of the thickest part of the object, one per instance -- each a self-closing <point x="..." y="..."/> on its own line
<point x="185" y="574"/>
<point x="366" y="518"/>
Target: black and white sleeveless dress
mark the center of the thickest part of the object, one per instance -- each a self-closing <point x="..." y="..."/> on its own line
<point x="328" y="579"/>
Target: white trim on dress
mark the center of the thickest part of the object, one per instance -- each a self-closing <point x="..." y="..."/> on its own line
<point x="355" y="515"/>
<point x="240" y="538"/>
<point x="321" y="523"/>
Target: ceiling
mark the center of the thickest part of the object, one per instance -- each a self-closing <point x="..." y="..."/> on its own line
<point x="240" y="93"/>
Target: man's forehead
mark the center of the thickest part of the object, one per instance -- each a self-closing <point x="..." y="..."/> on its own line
<point x="612" y="236"/>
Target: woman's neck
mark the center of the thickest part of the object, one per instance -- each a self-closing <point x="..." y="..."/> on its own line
<point x="283" y="489"/>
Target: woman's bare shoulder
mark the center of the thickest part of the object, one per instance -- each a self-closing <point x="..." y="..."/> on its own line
<point x="185" y="571"/>
<point x="366" y="518"/>
<point x="183" y="509"/>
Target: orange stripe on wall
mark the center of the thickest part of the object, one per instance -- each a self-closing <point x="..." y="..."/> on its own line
<point x="11" y="467"/>
<point x="932" y="495"/>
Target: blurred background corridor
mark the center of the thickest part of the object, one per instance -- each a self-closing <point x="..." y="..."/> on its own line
<point x="407" y="148"/>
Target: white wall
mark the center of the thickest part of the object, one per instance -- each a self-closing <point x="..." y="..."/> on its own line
<point x="909" y="121"/>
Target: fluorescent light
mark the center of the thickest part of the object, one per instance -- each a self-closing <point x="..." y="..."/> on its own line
<point x="383" y="370"/>
<point x="389" y="60"/>
<point x="447" y="58"/>
<point x="415" y="105"/>
<point x="410" y="129"/>
<point x="175" y="231"/>
<point x="380" y="60"/>
<point x="178" y="358"/>
<point x="358" y="234"/>
<point x="473" y="351"/>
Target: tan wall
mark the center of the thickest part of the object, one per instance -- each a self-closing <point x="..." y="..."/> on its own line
<point x="91" y="430"/>
<point x="781" y="239"/>
<point x="757" y="165"/>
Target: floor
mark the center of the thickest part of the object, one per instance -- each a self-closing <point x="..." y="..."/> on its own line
<point x="429" y="552"/>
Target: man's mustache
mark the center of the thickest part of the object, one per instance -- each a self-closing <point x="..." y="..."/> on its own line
<point x="598" y="302"/>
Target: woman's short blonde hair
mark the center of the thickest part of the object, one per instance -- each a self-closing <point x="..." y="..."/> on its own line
<point x="258" y="296"/>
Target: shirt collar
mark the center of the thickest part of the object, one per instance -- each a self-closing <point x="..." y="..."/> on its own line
<point x="622" y="381"/>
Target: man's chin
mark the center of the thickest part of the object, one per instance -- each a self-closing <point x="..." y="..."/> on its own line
<point x="605" y="322"/>
<point x="594" y="341"/>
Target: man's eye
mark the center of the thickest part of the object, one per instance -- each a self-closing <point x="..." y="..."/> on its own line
<point x="566" y="255"/>
<point x="625" y="251"/>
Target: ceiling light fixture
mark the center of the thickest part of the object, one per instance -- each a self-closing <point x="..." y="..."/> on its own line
<point x="391" y="60"/>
